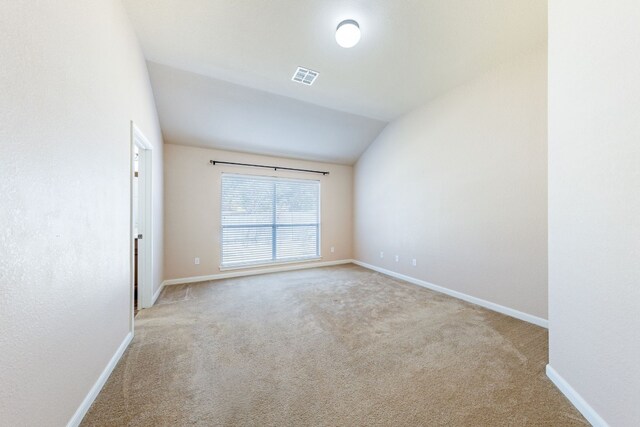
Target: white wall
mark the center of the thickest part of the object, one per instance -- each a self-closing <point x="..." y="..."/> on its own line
<point x="461" y="185"/>
<point x="192" y="209"/>
<point x="594" y="203"/>
<point x="72" y="77"/>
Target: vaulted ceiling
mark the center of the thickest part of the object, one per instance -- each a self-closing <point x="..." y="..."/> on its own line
<point x="221" y="70"/>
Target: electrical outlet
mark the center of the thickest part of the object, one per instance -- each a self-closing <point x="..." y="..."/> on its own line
<point x="333" y="249"/>
<point x="381" y="254"/>
<point x="196" y="261"/>
<point x="397" y="258"/>
<point x="414" y="262"/>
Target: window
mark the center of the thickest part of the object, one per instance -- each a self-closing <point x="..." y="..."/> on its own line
<point x="266" y="220"/>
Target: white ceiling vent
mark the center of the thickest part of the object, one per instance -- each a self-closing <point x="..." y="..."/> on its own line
<point x="305" y="76"/>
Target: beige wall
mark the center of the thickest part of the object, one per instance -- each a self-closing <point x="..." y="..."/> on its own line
<point x="594" y="203"/>
<point x="460" y="185"/>
<point x="72" y="78"/>
<point x="192" y="206"/>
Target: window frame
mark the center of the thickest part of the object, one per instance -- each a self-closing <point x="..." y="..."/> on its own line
<point x="273" y="225"/>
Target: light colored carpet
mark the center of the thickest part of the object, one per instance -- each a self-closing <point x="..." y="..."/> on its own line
<point x="338" y="346"/>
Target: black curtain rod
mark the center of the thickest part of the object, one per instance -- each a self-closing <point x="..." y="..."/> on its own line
<point x="275" y="168"/>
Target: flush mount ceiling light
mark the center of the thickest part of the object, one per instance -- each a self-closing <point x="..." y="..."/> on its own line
<point x="348" y="33"/>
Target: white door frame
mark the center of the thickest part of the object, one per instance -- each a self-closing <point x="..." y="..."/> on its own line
<point x="145" y="247"/>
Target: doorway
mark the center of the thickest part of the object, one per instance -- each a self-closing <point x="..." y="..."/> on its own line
<point x="141" y="224"/>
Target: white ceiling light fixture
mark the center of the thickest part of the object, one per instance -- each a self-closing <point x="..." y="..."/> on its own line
<point x="348" y="33"/>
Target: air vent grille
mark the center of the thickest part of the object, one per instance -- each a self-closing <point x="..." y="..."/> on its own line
<point x="305" y="76"/>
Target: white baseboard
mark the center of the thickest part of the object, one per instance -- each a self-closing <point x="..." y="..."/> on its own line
<point x="468" y="298"/>
<point x="241" y="273"/>
<point x="157" y="293"/>
<point x="102" y="379"/>
<point x="574" y="397"/>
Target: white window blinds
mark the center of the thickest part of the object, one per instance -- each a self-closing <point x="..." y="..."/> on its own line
<point x="269" y="220"/>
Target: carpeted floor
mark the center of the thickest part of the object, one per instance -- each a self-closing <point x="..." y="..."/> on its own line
<point x="338" y="346"/>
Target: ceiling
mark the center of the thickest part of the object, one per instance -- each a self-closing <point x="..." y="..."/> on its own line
<point x="200" y="111"/>
<point x="233" y="62"/>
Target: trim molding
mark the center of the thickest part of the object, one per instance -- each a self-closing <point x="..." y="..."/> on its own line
<point x="157" y="293"/>
<point x="102" y="379"/>
<point x="241" y="273"/>
<point x="468" y="298"/>
<point x="574" y="397"/>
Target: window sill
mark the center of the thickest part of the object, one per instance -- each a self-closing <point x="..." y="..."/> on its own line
<point x="269" y="264"/>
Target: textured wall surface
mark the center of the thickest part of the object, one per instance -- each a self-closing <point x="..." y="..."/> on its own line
<point x="594" y="203"/>
<point x="461" y="186"/>
<point x="192" y="209"/>
<point x="72" y="78"/>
